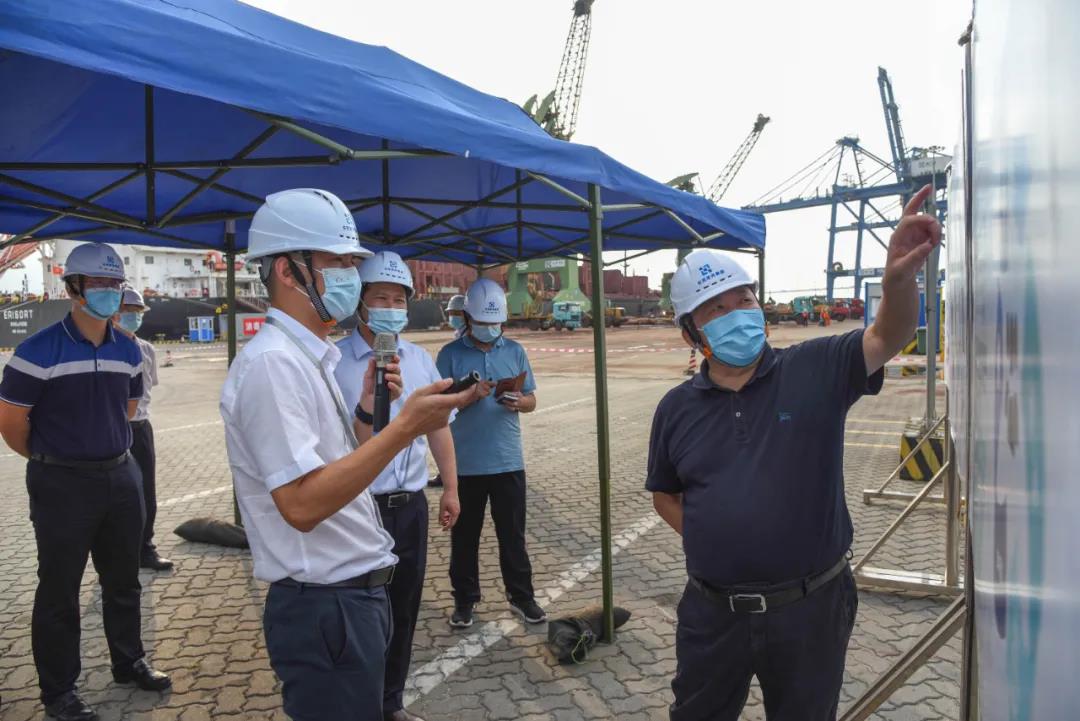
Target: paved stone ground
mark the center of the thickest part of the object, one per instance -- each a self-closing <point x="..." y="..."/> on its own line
<point x="202" y="622"/>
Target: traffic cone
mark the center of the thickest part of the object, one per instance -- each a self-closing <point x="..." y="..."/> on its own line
<point x="691" y="368"/>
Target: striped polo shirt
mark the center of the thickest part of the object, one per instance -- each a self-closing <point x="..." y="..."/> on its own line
<point x="77" y="392"/>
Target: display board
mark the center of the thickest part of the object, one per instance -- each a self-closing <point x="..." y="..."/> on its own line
<point x="1015" y="390"/>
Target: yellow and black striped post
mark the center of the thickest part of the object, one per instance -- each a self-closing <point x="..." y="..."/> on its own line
<point x="928" y="461"/>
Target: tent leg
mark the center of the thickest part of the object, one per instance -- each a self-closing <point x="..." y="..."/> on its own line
<point x="230" y="302"/>
<point x="761" y="275"/>
<point x="603" y="446"/>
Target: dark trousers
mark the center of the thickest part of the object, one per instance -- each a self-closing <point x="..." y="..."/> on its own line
<point x="77" y="513"/>
<point x="408" y="524"/>
<point x="142" y="448"/>
<point x="796" y="651"/>
<point x="507" y="494"/>
<point x="328" y="647"/>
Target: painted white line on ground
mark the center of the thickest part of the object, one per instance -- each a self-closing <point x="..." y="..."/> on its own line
<point x="876" y="420"/>
<point x="848" y="444"/>
<point x="193" y="425"/>
<point x="157" y="431"/>
<point x="193" y="496"/>
<point x="872" y="433"/>
<point x="559" y="406"/>
<point x="434" y="673"/>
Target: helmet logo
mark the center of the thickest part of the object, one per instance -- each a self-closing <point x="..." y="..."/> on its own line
<point x="492" y="306"/>
<point x="708" y="274"/>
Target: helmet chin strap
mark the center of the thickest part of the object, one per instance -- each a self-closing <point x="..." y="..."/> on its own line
<point x="312" y="291"/>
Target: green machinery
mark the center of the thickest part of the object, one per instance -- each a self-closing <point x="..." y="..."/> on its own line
<point x="535" y="285"/>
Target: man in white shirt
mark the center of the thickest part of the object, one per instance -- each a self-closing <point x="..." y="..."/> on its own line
<point x="128" y="321"/>
<point x="399" y="489"/>
<point x="301" y="478"/>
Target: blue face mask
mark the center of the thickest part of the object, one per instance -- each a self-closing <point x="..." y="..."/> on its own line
<point x="736" y="339"/>
<point x="387" y="320"/>
<point x="457" y="322"/>
<point x="102" y="303"/>
<point x="131" y="321"/>
<point x="342" y="293"/>
<point x="486" y="333"/>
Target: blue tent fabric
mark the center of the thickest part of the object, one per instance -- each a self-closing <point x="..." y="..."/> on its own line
<point x="76" y="75"/>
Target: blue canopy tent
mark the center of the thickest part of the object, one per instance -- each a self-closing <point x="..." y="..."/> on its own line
<point x="167" y="123"/>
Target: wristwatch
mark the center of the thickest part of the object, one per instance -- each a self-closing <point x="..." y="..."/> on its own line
<point x="363" y="416"/>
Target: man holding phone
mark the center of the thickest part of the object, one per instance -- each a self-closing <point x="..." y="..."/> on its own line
<point x="487" y="439"/>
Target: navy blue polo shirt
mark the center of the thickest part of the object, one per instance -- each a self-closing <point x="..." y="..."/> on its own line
<point x="761" y="470"/>
<point x="77" y="393"/>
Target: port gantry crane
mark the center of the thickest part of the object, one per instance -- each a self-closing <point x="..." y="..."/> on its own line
<point x="868" y="181"/>
<point x="557" y="113"/>
<point x="717" y="191"/>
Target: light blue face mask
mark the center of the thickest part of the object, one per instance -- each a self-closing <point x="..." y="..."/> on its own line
<point x="457" y="322"/>
<point x="102" y="303"/>
<point x="342" y="293"/>
<point x="387" y="320"/>
<point x="486" y="333"/>
<point x="736" y="339"/>
<point x="131" y="321"/>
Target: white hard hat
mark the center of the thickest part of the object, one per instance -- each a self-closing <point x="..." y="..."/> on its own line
<point x="485" y="302"/>
<point x="303" y="219"/>
<point x="457" y="302"/>
<point x="702" y="275"/>
<point x="95" y="260"/>
<point x="133" y="297"/>
<point x="387" y="266"/>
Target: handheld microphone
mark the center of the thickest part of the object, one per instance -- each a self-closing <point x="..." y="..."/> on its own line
<point x="385" y="349"/>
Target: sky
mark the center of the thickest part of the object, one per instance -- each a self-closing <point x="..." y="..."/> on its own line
<point x="673" y="87"/>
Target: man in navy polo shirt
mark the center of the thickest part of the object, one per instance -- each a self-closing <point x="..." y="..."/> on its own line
<point x="65" y="401"/>
<point x="746" y="462"/>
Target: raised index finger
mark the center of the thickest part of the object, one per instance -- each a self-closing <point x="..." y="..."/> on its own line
<point x="916" y="203"/>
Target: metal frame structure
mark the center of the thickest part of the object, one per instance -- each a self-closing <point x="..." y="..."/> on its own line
<point x="432" y="237"/>
<point x="952" y="496"/>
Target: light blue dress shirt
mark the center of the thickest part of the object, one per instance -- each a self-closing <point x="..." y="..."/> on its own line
<point x="408" y="471"/>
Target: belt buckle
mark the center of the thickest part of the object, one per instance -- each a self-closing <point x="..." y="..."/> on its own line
<point x="396" y="500"/>
<point x="759" y="597"/>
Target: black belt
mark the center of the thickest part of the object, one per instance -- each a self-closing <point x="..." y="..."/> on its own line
<point x="371" y="579"/>
<point x="106" y="465"/>
<point x="395" y="500"/>
<point x="747" y="601"/>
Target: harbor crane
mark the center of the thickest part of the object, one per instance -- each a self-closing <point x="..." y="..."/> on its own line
<point x="557" y="113"/>
<point x="848" y="175"/>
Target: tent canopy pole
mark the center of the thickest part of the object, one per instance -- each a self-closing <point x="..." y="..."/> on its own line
<point x="603" y="445"/>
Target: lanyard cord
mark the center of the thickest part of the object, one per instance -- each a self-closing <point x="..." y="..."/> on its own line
<point x="344" y="415"/>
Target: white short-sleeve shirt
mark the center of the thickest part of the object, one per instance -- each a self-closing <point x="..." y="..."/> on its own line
<point x="150" y="378"/>
<point x="281" y="423"/>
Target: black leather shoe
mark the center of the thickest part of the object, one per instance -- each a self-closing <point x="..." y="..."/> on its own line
<point x="401" y="715"/>
<point x="155" y="562"/>
<point x="144" y="677"/>
<point x="70" y="707"/>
